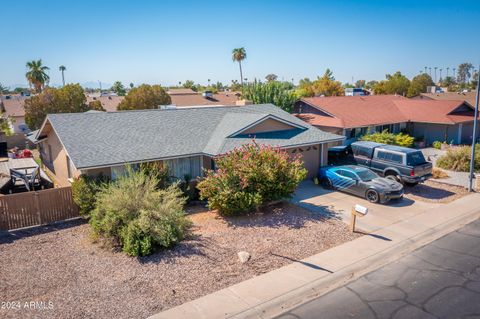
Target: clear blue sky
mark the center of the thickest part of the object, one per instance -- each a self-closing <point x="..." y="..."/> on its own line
<point x="152" y="42"/>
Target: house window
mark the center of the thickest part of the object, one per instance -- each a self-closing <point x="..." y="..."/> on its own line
<point x="182" y="167"/>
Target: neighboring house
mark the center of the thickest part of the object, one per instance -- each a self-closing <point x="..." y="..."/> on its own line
<point x="13" y="107"/>
<point x="185" y="139"/>
<point x="188" y="97"/>
<point x="468" y="97"/>
<point x="354" y="116"/>
<point x="109" y="102"/>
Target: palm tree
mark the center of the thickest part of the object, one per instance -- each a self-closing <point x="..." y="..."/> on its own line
<point x="62" y="69"/>
<point x="238" y="55"/>
<point x="37" y="75"/>
<point x="436" y="74"/>
<point x="447" y="71"/>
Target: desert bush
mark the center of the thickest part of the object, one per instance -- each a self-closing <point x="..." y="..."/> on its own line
<point x="84" y="189"/>
<point x="458" y="159"/>
<point x="135" y="214"/>
<point x="384" y="137"/>
<point x="437" y="145"/>
<point x="249" y="177"/>
<point x="437" y="173"/>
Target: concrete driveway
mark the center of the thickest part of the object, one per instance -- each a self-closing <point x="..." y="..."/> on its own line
<point x="336" y="204"/>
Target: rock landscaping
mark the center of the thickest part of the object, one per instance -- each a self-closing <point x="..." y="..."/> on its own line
<point x="59" y="264"/>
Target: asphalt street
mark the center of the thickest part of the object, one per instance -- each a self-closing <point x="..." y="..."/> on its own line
<point x="439" y="280"/>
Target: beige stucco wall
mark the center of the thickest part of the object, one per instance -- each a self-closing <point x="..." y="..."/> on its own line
<point x="268" y="125"/>
<point x="58" y="161"/>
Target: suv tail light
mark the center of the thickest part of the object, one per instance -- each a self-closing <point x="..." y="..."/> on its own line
<point x="412" y="172"/>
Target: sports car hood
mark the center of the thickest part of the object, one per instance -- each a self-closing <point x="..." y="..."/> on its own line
<point x="385" y="184"/>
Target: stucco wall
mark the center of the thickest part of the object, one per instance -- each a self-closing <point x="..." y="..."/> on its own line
<point x="58" y="161"/>
<point x="268" y="125"/>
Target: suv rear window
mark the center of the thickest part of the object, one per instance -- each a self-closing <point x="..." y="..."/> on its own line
<point x="391" y="157"/>
<point x="415" y="158"/>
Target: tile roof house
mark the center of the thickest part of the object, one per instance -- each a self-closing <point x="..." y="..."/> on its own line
<point x="468" y="97"/>
<point x="185" y="139"/>
<point x="353" y="116"/>
<point x="188" y="97"/>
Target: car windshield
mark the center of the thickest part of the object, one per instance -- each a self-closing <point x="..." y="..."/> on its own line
<point x="366" y="175"/>
<point x="415" y="158"/>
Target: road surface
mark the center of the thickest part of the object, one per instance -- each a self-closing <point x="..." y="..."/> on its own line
<point x="439" y="280"/>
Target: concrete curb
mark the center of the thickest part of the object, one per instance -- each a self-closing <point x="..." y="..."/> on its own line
<point x="322" y="286"/>
<point x="273" y="293"/>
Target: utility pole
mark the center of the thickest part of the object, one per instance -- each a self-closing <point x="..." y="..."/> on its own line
<point x="474" y="137"/>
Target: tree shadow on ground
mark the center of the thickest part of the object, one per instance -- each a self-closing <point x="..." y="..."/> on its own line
<point x="283" y="214"/>
<point x="428" y="192"/>
<point x="12" y="236"/>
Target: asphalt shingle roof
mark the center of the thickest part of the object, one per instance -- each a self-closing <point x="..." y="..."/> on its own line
<point x="110" y="138"/>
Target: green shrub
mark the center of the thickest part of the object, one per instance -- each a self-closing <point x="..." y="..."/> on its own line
<point x="437" y="145"/>
<point x="84" y="190"/>
<point x="384" y="137"/>
<point x="249" y="177"/>
<point x="458" y="159"/>
<point x="135" y="214"/>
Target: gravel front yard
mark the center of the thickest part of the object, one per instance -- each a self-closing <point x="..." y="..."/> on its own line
<point x="436" y="192"/>
<point x="62" y="266"/>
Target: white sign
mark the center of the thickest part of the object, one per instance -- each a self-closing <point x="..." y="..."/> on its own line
<point x="362" y="210"/>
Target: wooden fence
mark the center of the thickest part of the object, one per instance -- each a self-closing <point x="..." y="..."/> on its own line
<point x="36" y="208"/>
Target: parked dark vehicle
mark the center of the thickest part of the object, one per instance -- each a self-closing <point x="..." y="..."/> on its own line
<point x="340" y="155"/>
<point x="402" y="164"/>
<point x="360" y="181"/>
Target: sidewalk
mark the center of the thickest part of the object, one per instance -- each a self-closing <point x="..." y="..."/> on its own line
<point x="279" y="290"/>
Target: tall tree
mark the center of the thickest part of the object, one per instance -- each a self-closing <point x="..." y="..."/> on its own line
<point x="37" y="75"/>
<point x="419" y="84"/>
<point x="464" y="72"/>
<point x="145" y="97"/>
<point x="360" y="84"/>
<point x="68" y="99"/>
<point x="238" y="55"/>
<point x="327" y="86"/>
<point x="271" y="77"/>
<point x="394" y="84"/>
<point x="277" y="93"/>
<point x="118" y="88"/>
<point x="62" y="69"/>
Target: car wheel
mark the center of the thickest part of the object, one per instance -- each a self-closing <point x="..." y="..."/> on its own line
<point x="395" y="178"/>
<point x="327" y="183"/>
<point x="372" y="196"/>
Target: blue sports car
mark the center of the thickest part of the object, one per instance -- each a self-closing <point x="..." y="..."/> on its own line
<point x="360" y="181"/>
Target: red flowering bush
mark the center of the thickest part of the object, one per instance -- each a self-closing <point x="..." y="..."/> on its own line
<point x="249" y="177"/>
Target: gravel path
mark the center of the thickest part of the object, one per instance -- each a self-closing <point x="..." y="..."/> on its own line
<point x="60" y="264"/>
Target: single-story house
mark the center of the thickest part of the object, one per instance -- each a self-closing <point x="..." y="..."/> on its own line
<point x="188" y="97"/>
<point x="468" y="97"/>
<point x="13" y="107"/>
<point x="354" y="116"/>
<point x="185" y="139"/>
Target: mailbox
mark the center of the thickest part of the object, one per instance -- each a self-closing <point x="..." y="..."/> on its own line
<point x="361" y="210"/>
